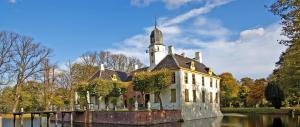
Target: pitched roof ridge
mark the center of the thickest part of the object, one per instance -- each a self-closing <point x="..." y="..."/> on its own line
<point x="175" y="60"/>
<point x="189" y="58"/>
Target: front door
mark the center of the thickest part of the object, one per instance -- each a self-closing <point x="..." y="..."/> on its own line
<point x="147" y="99"/>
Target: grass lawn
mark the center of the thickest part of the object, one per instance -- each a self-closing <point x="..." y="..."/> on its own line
<point x="267" y="110"/>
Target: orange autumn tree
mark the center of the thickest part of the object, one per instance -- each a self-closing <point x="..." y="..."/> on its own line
<point x="256" y="93"/>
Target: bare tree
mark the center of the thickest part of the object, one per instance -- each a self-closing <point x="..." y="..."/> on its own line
<point x="27" y="62"/>
<point x="89" y="58"/>
<point x="48" y="79"/>
<point x="6" y="42"/>
<point x="119" y="62"/>
<point x="65" y="79"/>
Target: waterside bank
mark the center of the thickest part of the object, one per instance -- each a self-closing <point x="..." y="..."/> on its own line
<point x="263" y="110"/>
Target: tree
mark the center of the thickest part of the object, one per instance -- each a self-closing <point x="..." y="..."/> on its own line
<point x="246" y="81"/>
<point x="6" y="43"/>
<point x="229" y="88"/>
<point x="288" y="67"/>
<point x="27" y="62"/>
<point x="274" y="94"/>
<point x="159" y="80"/>
<point x="6" y="97"/>
<point x="243" y="93"/>
<point x="256" y="93"/>
<point x="141" y="82"/>
<point x="118" y="62"/>
<point x="31" y="96"/>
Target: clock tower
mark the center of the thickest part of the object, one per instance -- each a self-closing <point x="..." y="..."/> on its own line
<point x="156" y="47"/>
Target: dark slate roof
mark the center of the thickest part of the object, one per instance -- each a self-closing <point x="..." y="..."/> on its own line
<point x="107" y="75"/>
<point x="176" y="61"/>
<point x="141" y="69"/>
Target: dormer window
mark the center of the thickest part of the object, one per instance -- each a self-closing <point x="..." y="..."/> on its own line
<point x="114" y="77"/>
<point x="192" y="66"/>
<point x="209" y="71"/>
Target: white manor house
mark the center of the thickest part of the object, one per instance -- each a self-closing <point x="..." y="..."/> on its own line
<point x="196" y="89"/>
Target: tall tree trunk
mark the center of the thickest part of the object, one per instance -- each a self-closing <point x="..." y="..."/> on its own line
<point x="160" y="102"/>
<point x="17" y="99"/>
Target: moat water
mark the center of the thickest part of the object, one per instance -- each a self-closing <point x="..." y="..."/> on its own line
<point x="228" y="120"/>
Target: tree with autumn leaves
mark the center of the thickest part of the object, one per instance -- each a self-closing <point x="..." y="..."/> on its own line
<point x="154" y="82"/>
<point x="229" y="89"/>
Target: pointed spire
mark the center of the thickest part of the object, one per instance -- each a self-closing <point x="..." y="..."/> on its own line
<point x="155" y="25"/>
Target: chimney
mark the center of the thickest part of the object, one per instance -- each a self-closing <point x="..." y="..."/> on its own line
<point x="183" y="54"/>
<point x="171" y="50"/>
<point x="198" y="57"/>
<point x="102" y="67"/>
<point x="136" y="67"/>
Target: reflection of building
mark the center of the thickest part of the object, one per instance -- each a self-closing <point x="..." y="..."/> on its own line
<point x="196" y="88"/>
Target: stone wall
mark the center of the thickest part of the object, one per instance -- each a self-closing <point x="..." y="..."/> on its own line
<point x="125" y="117"/>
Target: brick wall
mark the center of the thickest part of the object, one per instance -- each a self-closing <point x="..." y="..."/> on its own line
<point x="125" y="117"/>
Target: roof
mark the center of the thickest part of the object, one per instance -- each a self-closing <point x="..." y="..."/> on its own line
<point x="107" y="75"/>
<point x="175" y="61"/>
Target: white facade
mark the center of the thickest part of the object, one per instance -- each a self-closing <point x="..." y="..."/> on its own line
<point x="190" y="109"/>
<point x="189" y="94"/>
<point x="156" y="53"/>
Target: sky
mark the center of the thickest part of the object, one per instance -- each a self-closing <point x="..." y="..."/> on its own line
<point x="237" y="36"/>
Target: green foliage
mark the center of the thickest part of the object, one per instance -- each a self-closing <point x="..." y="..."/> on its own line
<point x="243" y="94"/>
<point x="256" y="93"/>
<point x="6" y="99"/>
<point x="229" y="88"/>
<point x="131" y="101"/>
<point x="114" y="100"/>
<point x="141" y="82"/>
<point x="288" y="67"/>
<point x="246" y="81"/>
<point x="274" y="94"/>
<point x="31" y="96"/>
<point x="153" y="82"/>
<point x="257" y="110"/>
<point x="82" y="73"/>
<point x="101" y="88"/>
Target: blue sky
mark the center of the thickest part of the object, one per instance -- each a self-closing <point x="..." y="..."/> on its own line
<point x="232" y="34"/>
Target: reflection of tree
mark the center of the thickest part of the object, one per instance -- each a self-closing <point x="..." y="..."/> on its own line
<point x="277" y="122"/>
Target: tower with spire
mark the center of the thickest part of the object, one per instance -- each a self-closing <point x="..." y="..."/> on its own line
<point x="156" y="48"/>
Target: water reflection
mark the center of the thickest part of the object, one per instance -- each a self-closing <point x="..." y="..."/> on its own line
<point x="277" y="122"/>
<point x="229" y="120"/>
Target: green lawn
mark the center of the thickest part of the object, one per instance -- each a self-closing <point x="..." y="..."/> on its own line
<point x="268" y="110"/>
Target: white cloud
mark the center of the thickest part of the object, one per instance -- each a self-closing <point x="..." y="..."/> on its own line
<point x="141" y="2"/>
<point x="172" y="4"/>
<point x="194" y="12"/>
<point x="210" y="28"/>
<point x="249" y="34"/>
<point x="253" y="53"/>
<point x="12" y="1"/>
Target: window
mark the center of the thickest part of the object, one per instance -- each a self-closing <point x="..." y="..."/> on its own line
<point x="194" y="96"/>
<point x="193" y="79"/>
<point x="114" y="77"/>
<point x="211" y="82"/>
<point x="186" y="93"/>
<point x="173" y="78"/>
<point x="192" y="67"/>
<point x="202" y="80"/>
<point x="217" y="82"/>
<point x="156" y="98"/>
<point x="186" y="78"/>
<point x="211" y="97"/>
<point x="203" y="96"/>
<point x="217" y="98"/>
<point x="173" y="95"/>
